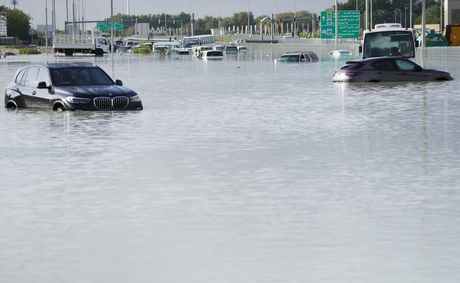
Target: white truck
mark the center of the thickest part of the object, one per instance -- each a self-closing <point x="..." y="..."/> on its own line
<point x="80" y="43"/>
<point x="389" y="39"/>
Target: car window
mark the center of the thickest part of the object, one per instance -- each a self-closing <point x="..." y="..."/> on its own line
<point x="385" y="65"/>
<point x="43" y="76"/>
<point x="101" y="41"/>
<point x="304" y="58"/>
<point x="24" y="76"/>
<point x="405" y="65"/>
<point x="80" y="76"/>
<point x="31" y="78"/>
<point x="19" y="76"/>
<point x="289" y="58"/>
<point x="352" y="66"/>
<point x="314" y="57"/>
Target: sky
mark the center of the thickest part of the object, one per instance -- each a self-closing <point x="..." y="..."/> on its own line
<point x="100" y="9"/>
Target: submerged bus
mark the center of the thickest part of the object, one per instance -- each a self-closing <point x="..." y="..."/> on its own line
<point x="190" y="41"/>
<point x="389" y="40"/>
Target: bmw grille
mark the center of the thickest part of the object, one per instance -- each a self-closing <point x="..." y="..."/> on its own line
<point x="108" y="103"/>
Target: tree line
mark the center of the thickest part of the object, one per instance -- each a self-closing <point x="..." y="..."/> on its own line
<point x="385" y="11"/>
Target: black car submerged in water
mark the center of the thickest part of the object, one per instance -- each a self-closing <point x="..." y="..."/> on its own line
<point x="68" y="86"/>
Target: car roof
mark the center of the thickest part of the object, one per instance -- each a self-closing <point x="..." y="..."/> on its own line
<point x="69" y="65"/>
<point x="376" y="59"/>
<point x="299" y="52"/>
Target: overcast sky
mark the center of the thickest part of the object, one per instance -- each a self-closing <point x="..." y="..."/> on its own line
<point x="100" y="9"/>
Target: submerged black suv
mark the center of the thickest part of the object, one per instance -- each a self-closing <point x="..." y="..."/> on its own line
<point x="68" y="86"/>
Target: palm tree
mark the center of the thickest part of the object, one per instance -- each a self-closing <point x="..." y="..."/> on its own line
<point x="14" y="2"/>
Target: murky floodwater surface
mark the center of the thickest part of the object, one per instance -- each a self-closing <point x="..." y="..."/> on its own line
<point x="236" y="171"/>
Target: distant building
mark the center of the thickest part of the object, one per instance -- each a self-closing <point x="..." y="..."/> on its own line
<point x="42" y="29"/>
<point x="3" y="29"/>
<point x="142" y="29"/>
<point x="452" y="12"/>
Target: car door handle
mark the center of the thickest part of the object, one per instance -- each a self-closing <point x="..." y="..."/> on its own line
<point x="34" y="92"/>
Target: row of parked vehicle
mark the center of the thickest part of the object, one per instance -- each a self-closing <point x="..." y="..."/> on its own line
<point x="85" y="86"/>
<point x="375" y="69"/>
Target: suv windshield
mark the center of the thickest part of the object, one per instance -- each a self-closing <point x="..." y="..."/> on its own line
<point x="80" y="76"/>
<point x="389" y="43"/>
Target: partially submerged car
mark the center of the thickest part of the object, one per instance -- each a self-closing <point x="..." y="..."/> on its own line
<point x="387" y="69"/>
<point x="68" y="86"/>
<point x="299" y="57"/>
<point x="340" y="54"/>
<point x="212" y="55"/>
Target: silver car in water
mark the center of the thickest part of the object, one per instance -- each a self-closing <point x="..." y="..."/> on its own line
<point x="387" y="69"/>
<point x="299" y="57"/>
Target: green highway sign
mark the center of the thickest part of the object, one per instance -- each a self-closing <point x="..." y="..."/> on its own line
<point x="349" y="24"/>
<point x="107" y="26"/>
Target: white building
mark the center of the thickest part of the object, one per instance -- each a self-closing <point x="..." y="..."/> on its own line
<point x="142" y="29"/>
<point x="3" y="29"/>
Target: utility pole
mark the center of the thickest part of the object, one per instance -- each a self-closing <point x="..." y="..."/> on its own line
<point x="54" y="16"/>
<point x="112" y="27"/>
<point x="423" y="22"/>
<point x="74" y="28"/>
<point x="83" y="15"/>
<point x="366" y="16"/>
<point x="193" y="25"/>
<point x="405" y="17"/>
<point x="410" y="13"/>
<point x="441" y="16"/>
<point x="272" y="28"/>
<point x="46" y="26"/>
<point x="336" y="24"/>
<point x="370" y="14"/>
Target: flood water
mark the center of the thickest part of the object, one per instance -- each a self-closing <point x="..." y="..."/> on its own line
<point x="241" y="170"/>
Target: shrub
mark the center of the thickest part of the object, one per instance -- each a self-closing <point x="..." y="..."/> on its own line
<point x="29" y="51"/>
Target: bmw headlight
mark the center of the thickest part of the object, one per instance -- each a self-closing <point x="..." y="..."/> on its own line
<point x="135" y="98"/>
<point x="77" y="100"/>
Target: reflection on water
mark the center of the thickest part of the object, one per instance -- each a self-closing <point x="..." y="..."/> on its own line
<point x="236" y="171"/>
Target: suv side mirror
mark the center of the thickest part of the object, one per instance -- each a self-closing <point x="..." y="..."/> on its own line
<point x="417" y="44"/>
<point x="360" y="49"/>
<point x="119" y="82"/>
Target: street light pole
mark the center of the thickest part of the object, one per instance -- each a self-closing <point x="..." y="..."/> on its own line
<point x="423" y="32"/>
<point x="410" y="13"/>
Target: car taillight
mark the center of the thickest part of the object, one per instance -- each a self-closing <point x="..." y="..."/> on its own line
<point x="353" y="74"/>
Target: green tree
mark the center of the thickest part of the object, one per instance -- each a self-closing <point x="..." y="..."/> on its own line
<point x="18" y="23"/>
<point x="383" y="11"/>
<point x="432" y="15"/>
